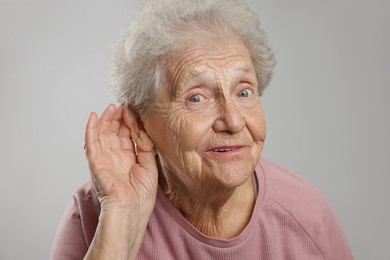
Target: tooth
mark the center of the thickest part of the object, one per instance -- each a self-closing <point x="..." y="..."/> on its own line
<point x="222" y="150"/>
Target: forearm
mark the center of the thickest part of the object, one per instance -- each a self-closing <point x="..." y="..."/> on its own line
<point x="118" y="235"/>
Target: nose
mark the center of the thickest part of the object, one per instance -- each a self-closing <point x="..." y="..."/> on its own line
<point x="230" y="118"/>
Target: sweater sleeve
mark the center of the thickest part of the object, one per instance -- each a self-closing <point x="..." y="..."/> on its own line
<point x="77" y="227"/>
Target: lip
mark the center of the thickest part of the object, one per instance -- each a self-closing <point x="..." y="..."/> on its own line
<point x="225" y="150"/>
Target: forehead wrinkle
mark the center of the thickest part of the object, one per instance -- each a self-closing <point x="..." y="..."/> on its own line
<point x="228" y="77"/>
<point x="218" y="77"/>
<point x="177" y="69"/>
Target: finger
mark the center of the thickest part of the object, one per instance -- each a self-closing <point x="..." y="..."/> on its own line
<point x="115" y="128"/>
<point x="105" y="122"/>
<point x="91" y="134"/>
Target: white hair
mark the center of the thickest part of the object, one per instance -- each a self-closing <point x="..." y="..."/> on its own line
<point x="164" y="27"/>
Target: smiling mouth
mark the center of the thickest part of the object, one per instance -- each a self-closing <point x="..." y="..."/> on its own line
<point x="226" y="149"/>
<point x="223" y="150"/>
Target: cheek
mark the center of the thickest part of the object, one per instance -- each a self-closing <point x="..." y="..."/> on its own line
<point x="155" y="125"/>
<point x="255" y="121"/>
<point x="257" y="129"/>
<point x="187" y="129"/>
<point x="174" y="130"/>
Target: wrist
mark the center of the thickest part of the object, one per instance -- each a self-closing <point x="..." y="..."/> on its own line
<point x="120" y="232"/>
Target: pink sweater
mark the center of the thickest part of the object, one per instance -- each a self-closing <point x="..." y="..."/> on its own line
<point x="291" y="220"/>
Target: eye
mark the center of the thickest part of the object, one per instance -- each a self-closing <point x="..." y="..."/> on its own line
<point x="196" y="98"/>
<point x="245" y="93"/>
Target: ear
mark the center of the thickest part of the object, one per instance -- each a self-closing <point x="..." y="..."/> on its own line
<point x="139" y="135"/>
<point x="132" y="119"/>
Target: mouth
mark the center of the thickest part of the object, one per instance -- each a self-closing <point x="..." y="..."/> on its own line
<point x="225" y="149"/>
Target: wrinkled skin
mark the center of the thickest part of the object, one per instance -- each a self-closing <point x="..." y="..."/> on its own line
<point x="209" y="129"/>
<point x="211" y="101"/>
<point x="125" y="181"/>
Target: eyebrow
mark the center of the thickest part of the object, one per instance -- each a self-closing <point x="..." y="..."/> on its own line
<point x="197" y="73"/>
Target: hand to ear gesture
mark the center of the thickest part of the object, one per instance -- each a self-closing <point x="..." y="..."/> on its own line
<point x="121" y="175"/>
<point x="125" y="178"/>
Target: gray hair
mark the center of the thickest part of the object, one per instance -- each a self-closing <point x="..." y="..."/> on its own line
<point x="162" y="28"/>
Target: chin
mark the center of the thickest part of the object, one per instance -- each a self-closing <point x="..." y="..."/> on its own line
<point x="232" y="176"/>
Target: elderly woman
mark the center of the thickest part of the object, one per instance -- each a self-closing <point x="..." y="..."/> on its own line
<point x="177" y="170"/>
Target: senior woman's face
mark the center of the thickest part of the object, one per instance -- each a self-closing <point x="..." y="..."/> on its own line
<point x="207" y="122"/>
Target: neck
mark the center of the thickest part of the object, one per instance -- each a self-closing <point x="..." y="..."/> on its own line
<point x="214" y="210"/>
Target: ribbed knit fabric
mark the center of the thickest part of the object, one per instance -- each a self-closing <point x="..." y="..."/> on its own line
<point x="291" y="220"/>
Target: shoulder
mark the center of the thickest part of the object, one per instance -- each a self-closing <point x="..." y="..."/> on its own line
<point x="307" y="206"/>
<point x="85" y="206"/>
<point x="86" y="193"/>
<point x="85" y="203"/>
<point x="299" y="198"/>
<point x="88" y="207"/>
<point x="78" y="225"/>
<point x="291" y="190"/>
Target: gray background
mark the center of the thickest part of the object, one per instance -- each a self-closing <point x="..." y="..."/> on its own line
<point x="327" y="109"/>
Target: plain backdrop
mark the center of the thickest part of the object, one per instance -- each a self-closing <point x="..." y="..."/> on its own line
<point x="327" y="109"/>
